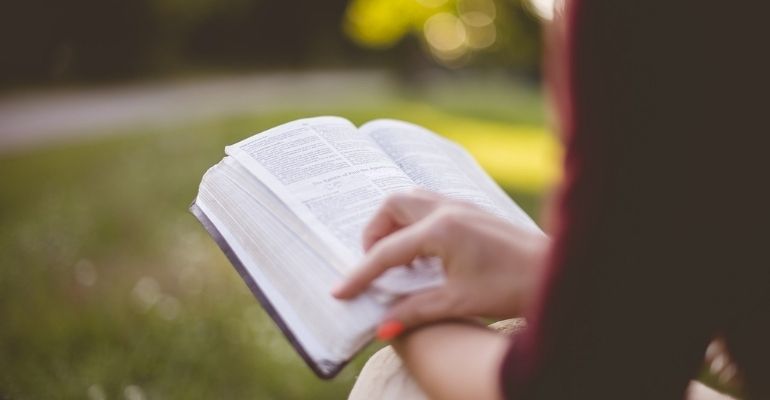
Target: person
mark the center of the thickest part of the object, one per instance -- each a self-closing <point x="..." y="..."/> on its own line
<point x="659" y="233"/>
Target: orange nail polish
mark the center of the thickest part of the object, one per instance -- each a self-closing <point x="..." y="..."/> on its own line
<point x="388" y="330"/>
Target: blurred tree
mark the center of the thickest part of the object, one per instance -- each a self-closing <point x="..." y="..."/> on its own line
<point x="48" y="40"/>
<point x="45" y="41"/>
<point x="271" y="33"/>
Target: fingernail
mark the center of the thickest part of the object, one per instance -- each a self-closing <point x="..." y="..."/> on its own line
<point x="388" y="330"/>
<point x="337" y="290"/>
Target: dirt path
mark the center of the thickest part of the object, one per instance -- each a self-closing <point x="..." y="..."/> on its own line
<point x="36" y="119"/>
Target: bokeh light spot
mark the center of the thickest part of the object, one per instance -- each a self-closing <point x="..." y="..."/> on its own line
<point x="85" y="273"/>
<point x="147" y="292"/>
<point x="446" y="36"/>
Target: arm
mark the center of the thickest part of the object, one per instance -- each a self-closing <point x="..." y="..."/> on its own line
<point x="491" y="268"/>
<point x="699" y="391"/>
<point x="454" y="360"/>
<point x="460" y="360"/>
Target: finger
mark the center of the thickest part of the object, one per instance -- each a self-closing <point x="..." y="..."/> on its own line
<point x="399" y="248"/>
<point x="423" y="307"/>
<point x="718" y="364"/>
<point x="398" y="210"/>
<point x="715" y="348"/>
<point x="728" y="374"/>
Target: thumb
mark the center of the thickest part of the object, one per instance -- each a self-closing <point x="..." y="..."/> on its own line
<point x="417" y="309"/>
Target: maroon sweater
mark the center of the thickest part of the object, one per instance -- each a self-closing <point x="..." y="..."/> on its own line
<point x="662" y="239"/>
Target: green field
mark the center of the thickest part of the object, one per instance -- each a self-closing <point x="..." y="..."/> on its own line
<point x="109" y="288"/>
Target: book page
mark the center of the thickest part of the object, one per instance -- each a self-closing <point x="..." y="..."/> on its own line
<point x="331" y="177"/>
<point x="466" y="163"/>
<point x="441" y="166"/>
<point x="261" y="194"/>
<point x="290" y="273"/>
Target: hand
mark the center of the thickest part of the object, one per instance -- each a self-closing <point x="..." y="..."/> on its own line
<point x="491" y="265"/>
<point x="721" y="365"/>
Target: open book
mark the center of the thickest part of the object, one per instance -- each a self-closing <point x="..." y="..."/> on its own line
<point x="288" y="206"/>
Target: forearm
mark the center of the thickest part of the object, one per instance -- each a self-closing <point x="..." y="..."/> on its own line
<point x="699" y="391"/>
<point x="460" y="360"/>
<point x="454" y="360"/>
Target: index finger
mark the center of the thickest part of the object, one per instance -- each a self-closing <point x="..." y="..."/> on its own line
<point x="398" y="210"/>
<point x="394" y="250"/>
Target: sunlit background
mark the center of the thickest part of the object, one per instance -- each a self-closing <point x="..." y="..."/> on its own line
<point x="110" y="112"/>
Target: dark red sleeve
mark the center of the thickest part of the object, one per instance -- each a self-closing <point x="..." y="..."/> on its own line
<point x="662" y="221"/>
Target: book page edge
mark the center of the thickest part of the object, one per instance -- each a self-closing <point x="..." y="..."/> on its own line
<point x="327" y="371"/>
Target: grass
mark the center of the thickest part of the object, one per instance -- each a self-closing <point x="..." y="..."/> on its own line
<point x="109" y="288"/>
